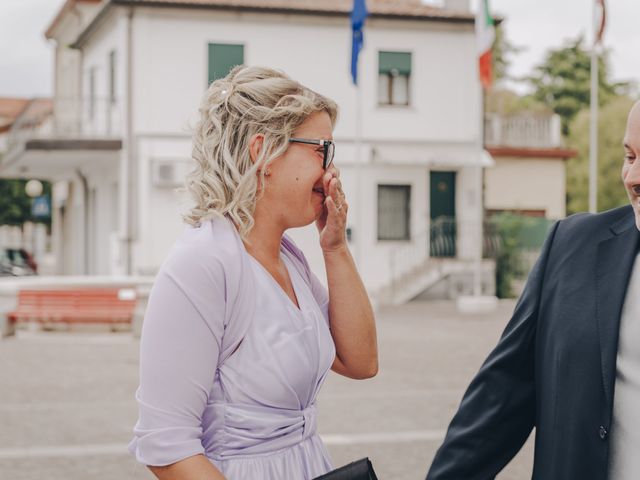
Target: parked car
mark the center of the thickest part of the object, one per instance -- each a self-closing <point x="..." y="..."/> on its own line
<point x="17" y="262"/>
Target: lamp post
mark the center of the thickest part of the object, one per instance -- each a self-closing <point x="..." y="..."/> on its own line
<point x="33" y="188"/>
<point x="32" y="232"/>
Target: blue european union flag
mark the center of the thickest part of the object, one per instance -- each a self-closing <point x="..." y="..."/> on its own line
<point x="358" y="16"/>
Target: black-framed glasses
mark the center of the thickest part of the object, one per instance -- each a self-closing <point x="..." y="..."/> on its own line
<point x="328" y="146"/>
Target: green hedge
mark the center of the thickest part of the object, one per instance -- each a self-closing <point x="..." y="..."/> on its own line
<point x="517" y="234"/>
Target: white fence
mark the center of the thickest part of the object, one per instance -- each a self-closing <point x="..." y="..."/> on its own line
<point x="526" y="130"/>
<point x="94" y="118"/>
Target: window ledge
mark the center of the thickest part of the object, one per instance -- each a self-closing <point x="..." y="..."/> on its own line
<point x="393" y="106"/>
<point x="401" y="241"/>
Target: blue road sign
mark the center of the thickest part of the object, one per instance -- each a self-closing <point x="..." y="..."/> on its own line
<point x="41" y="207"/>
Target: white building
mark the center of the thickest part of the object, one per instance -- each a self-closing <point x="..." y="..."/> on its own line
<point x="129" y="75"/>
<point x="10" y="109"/>
<point x="526" y="146"/>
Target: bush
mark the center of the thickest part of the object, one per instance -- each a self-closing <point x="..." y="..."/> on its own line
<point x="518" y="234"/>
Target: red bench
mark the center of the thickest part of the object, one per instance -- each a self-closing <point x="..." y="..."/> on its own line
<point x="87" y="305"/>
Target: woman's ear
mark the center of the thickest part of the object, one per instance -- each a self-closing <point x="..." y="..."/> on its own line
<point x="255" y="146"/>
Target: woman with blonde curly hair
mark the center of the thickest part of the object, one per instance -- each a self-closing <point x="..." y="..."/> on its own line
<point x="239" y="334"/>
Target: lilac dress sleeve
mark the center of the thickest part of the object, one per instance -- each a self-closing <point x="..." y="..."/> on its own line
<point x="180" y="345"/>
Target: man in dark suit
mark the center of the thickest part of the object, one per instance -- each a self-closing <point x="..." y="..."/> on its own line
<point x="572" y="343"/>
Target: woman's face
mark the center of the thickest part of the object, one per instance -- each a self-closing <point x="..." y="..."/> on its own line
<point x="294" y="188"/>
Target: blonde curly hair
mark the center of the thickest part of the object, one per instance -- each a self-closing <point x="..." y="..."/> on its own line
<point x="248" y="101"/>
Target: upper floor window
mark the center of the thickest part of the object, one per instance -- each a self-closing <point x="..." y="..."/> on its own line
<point x="394" y="74"/>
<point x="222" y="58"/>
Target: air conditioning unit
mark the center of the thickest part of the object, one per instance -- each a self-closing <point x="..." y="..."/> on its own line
<point x="169" y="173"/>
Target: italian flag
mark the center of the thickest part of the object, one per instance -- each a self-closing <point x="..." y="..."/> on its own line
<point x="485" y="35"/>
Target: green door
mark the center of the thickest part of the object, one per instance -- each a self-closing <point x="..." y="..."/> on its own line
<point x="443" y="214"/>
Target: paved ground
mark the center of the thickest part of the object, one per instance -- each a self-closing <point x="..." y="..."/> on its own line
<point x="67" y="409"/>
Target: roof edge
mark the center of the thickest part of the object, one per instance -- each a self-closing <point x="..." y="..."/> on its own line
<point x="92" y="26"/>
<point x="529" y="152"/>
<point x="88" y="30"/>
<point x="66" y="7"/>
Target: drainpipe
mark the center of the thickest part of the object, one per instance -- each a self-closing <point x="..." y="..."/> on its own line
<point x="85" y="198"/>
<point x="130" y="169"/>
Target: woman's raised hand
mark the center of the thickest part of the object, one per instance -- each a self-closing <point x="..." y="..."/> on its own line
<point x="333" y="221"/>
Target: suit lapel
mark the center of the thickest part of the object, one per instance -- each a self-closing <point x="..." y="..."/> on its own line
<point x="615" y="260"/>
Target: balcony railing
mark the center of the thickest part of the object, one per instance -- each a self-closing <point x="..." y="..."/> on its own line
<point x="68" y="118"/>
<point x="524" y="130"/>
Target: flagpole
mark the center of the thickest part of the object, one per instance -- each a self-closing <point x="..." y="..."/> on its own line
<point x="593" y="130"/>
<point x="482" y="18"/>
<point x="477" y="277"/>
<point x="485" y="36"/>
<point x="358" y="17"/>
<point x="359" y="234"/>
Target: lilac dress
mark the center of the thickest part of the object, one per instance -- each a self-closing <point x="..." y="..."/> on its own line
<point x="230" y="367"/>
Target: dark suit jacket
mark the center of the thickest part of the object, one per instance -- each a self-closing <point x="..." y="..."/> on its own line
<point x="554" y="367"/>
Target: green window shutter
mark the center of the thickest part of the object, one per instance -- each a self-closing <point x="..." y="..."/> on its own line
<point x="398" y="61"/>
<point x="222" y="58"/>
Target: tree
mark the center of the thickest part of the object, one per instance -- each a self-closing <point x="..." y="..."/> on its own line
<point x="500" y="99"/>
<point x="507" y="102"/>
<point x="15" y="205"/>
<point x="612" y="119"/>
<point x="563" y="81"/>
<point x="501" y="51"/>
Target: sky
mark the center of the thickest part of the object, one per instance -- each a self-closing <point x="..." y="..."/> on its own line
<point x="538" y="25"/>
<point x="26" y="58"/>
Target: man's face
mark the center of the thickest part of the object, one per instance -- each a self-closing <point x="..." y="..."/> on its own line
<point x="631" y="166"/>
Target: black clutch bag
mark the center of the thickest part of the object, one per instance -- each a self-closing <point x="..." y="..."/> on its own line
<point x="359" y="470"/>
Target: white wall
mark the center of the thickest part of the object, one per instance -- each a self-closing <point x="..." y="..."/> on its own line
<point x="170" y="76"/>
<point x="161" y="208"/>
<point x="68" y="75"/>
<point x="108" y="120"/>
<point x="527" y="184"/>
<point x="73" y="245"/>
<point x="66" y="60"/>
<point x="103" y="218"/>
<point x="444" y="102"/>
<point x="108" y="247"/>
<point x="171" y="69"/>
<point x="374" y="259"/>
